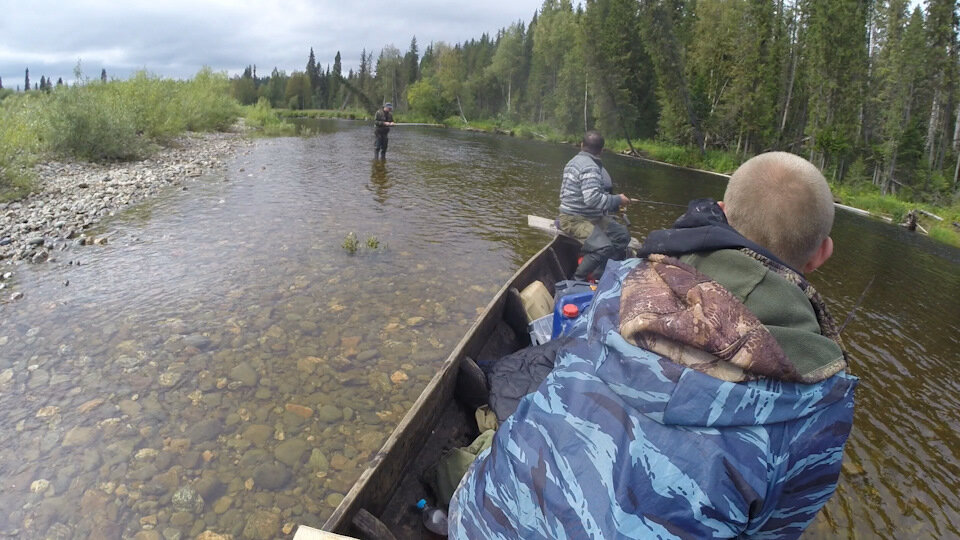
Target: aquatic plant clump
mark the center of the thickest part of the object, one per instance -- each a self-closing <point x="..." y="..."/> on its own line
<point x="351" y="244"/>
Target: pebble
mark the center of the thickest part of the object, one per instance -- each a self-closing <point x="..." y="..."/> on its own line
<point x="222" y="504"/>
<point x="271" y="476"/>
<point x="44" y="412"/>
<point x="258" y="434"/>
<point x="181" y="519"/>
<point x="73" y="196"/>
<point x="299" y="410"/>
<point x="79" y="436"/>
<point x="262" y="525"/>
<point x="205" y="430"/>
<point x="39" y="486"/>
<point x="329" y="414"/>
<point x="333" y="500"/>
<point x="245" y="374"/>
<point x="211" y="535"/>
<point x="186" y="499"/>
<point x="290" y="452"/>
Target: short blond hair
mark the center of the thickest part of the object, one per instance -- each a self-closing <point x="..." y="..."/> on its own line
<point x="782" y="202"/>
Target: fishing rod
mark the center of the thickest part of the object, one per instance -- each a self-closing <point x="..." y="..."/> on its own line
<point x="416" y="124"/>
<point x="646" y="201"/>
<point x="857" y="305"/>
<point x="626" y="220"/>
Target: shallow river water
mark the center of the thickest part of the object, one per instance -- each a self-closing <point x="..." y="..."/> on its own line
<point x="225" y="364"/>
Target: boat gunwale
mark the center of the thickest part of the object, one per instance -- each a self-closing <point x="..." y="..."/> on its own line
<point x="340" y="520"/>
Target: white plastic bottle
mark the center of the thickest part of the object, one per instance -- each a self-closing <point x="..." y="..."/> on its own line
<point x="434" y="519"/>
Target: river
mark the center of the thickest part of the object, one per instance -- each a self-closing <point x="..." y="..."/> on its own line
<point x="224" y="364"/>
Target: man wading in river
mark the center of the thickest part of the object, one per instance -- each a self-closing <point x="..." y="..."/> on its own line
<point x="706" y="397"/>
<point x="383" y="120"/>
<point x="586" y="201"/>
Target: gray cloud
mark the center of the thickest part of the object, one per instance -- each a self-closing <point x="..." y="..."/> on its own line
<point x="176" y="37"/>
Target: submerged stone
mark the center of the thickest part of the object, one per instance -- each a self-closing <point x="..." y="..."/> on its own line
<point x="291" y="452"/>
<point x="187" y="499"/>
<point x="244" y="374"/>
<point x="205" y="430"/>
<point x="272" y="476"/>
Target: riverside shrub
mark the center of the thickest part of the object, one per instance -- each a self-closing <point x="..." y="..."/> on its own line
<point x="19" y="144"/>
<point x="93" y="123"/>
<point x="119" y="120"/>
<point x="263" y="116"/>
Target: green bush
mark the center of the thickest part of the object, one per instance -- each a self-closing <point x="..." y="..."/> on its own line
<point x="205" y="102"/>
<point x="118" y="120"/>
<point x="20" y="144"/>
<point x="93" y="123"/>
<point x="164" y="108"/>
<point x="425" y="99"/>
<point x="263" y="117"/>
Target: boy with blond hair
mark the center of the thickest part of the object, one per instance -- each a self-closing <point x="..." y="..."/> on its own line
<point x="707" y="396"/>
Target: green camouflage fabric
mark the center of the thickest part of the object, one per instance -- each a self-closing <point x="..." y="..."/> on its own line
<point x="671" y="308"/>
<point x="828" y="326"/>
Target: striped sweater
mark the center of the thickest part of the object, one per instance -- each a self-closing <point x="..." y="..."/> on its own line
<point x="587" y="187"/>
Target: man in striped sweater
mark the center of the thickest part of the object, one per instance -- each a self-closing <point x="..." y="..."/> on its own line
<point x="586" y="202"/>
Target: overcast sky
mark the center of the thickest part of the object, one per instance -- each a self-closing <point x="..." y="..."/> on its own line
<point x="176" y="37"/>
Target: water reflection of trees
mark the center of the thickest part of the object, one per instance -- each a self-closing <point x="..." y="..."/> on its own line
<point x="379" y="181"/>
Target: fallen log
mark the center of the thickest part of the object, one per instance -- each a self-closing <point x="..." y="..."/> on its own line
<point x="928" y="214"/>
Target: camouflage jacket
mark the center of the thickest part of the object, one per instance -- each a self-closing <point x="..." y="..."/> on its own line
<point x="380" y="120"/>
<point x="624" y="442"/>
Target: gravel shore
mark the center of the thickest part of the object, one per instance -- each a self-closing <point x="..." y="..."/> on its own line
<point x="73" y="196"/>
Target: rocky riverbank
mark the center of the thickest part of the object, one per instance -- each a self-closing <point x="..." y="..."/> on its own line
<point x="73" y="196"/>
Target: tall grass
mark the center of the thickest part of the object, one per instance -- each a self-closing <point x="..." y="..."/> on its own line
<point x="118" y="120"/>
<point x="20" y="145"/>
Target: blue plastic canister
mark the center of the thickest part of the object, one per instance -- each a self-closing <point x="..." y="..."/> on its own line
<point x="568" y="310"/>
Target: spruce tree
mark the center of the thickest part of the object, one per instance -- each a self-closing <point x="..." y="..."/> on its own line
<point x="312" y="71"/>
<point x="103" y="75"/>
<point x="835" y="48"/>
<point x="26" y="81"/>
<point x="334" y="100"/>
<point x="412" y="61"/>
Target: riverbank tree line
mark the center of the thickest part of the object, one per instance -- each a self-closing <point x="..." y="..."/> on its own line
<point x="869" y="90"/>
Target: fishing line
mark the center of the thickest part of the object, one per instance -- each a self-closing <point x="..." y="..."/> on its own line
<point x="855" y="306"/>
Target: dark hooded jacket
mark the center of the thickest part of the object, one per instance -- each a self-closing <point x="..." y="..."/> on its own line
<point x="730" y="427"/>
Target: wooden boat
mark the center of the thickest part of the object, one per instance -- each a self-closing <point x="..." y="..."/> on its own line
<point x="379" y="504"/>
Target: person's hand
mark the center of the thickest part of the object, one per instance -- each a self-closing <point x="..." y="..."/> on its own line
<point x="624" y="200"/>
<point x="391" y="123"/>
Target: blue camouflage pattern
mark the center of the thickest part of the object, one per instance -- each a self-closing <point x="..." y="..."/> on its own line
<point x="619" y="442"/>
